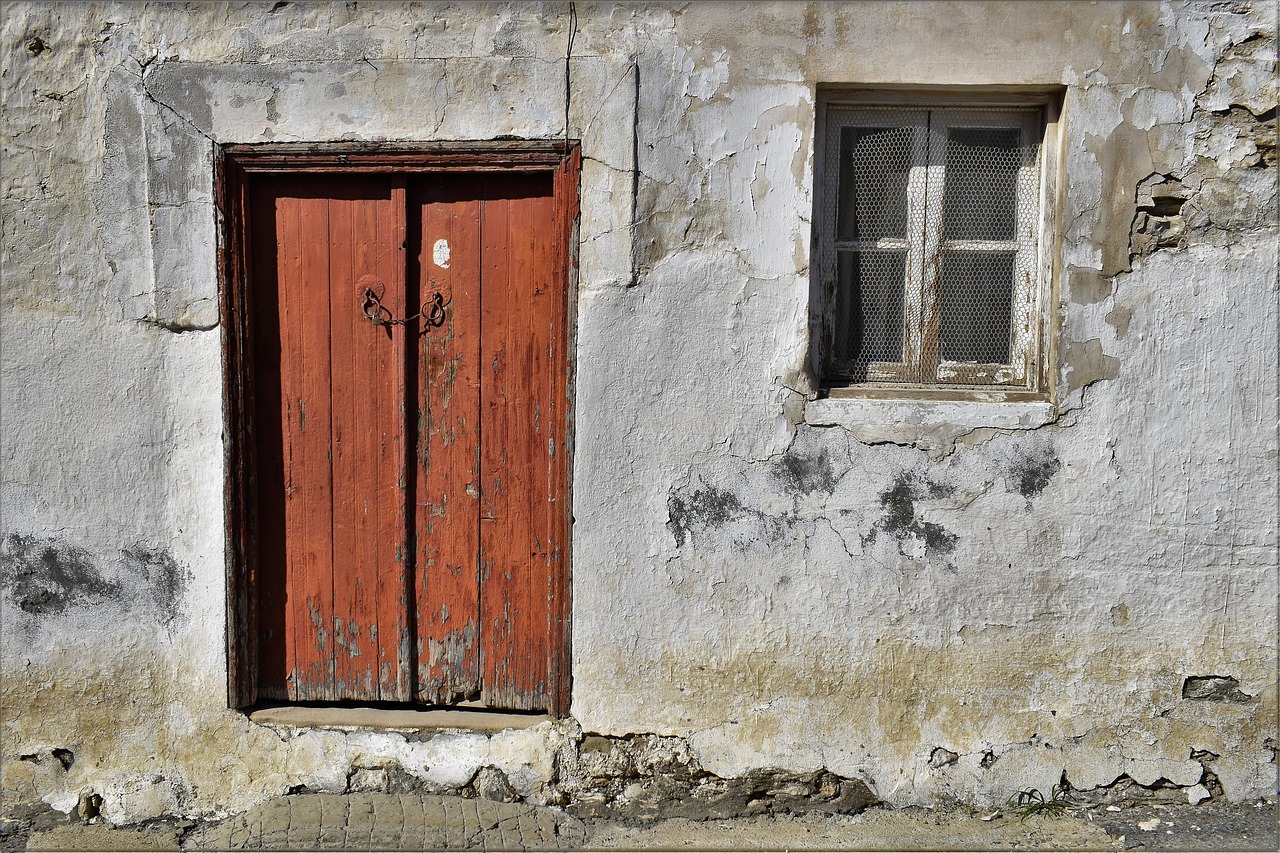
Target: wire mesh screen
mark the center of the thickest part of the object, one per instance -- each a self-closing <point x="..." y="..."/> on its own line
<point x="875" y="166"/>
<point x="975" y="305"/>
<point x="870" y="305"/>
<point x="931" y="217"/>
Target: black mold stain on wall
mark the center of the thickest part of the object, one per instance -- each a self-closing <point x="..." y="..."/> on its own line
<point x="805" y="473"/>
<point x="899" y="519"/>
<point x="709" y="507"/>
<point x="46" y="576"/>
<point x="1031" y="469"/>
<point x="162" y="577"/>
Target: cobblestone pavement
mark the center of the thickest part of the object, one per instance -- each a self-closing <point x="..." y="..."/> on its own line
<point x="391" y="821"/>
<point x="373" y="821"/>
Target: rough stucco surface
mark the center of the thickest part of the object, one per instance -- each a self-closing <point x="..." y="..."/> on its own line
<point x="945" y="602"/>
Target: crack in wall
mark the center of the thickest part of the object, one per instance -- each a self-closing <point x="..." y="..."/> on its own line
<point x="807" y="475"/>
<point x="146" y="90"/>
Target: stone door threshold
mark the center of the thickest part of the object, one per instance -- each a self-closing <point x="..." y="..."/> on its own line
<point x="393" y="718"/>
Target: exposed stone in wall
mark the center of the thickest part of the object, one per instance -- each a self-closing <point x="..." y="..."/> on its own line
<point x="646" y="777"/>
<point x="1214" y="688"/>
<point x="1227" y="187"/>
<point x="637" y="777"/>
<point x="702" y="796"/>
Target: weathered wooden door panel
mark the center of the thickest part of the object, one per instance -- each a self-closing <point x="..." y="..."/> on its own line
<point x="412" y="477"/>
<point x="521" y="308"/>
<point x="333" y="534"/>
<point x="447" y="594"/>
<point x="487" y="592"/>
<point x="368" y="635"/>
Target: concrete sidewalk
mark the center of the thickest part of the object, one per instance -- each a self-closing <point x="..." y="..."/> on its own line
<point x="375" y="821"/>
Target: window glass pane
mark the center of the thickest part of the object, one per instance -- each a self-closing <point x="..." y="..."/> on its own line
<point x="874" y="165"/>
<point x="869" y="297"/>
<point x="981" y="183"/>
<point x="976" y="305"/>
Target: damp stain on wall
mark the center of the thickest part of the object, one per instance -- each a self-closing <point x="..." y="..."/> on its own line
<point x="47" y="576"/>
<point x="1031" y="468"/>
<point x="901" y="520"/>
<point x="699" y="510"/>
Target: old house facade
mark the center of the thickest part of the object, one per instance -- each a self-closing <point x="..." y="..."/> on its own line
<point x="881" y="394"/>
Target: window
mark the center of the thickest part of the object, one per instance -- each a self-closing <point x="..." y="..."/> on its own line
<point x="931" y="267"/>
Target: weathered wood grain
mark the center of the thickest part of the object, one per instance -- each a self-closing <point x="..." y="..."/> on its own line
<point x="411" y="481"/>
<point x="449" y="435"/>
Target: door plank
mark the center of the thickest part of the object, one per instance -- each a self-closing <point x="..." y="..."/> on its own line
<point x="514" y="593"/>
<point x="564" y="275"/>
<point x="495" y="523"/>
<point x="533" y="230"/>
<point x="305" y="425"/>
<point x="369" y="558"/>
<point x="449" y="433"/>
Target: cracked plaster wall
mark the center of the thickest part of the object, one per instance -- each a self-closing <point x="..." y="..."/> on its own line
<point x="780" y="581"/>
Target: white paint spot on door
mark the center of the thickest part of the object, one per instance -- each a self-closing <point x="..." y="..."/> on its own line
<point x="440" y="254"/>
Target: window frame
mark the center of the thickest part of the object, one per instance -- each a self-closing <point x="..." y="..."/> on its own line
<point x="1027" y="376"/>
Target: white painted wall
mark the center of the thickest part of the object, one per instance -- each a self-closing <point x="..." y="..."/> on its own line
<point x="751" y="569"/>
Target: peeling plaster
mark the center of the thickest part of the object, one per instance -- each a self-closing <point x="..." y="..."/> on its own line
<point x="939" y="601"/>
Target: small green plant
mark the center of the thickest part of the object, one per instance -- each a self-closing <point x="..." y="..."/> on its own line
<point x="1031" y="801"/>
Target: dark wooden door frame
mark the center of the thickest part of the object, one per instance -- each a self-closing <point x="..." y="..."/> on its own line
<point x="234" y="167"/>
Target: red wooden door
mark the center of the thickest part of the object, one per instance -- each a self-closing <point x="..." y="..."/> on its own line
<point x="412" y="477"/>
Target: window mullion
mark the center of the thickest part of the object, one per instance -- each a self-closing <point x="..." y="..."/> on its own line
<point x="931" y="248"/>
<point x="917" y="203"/>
